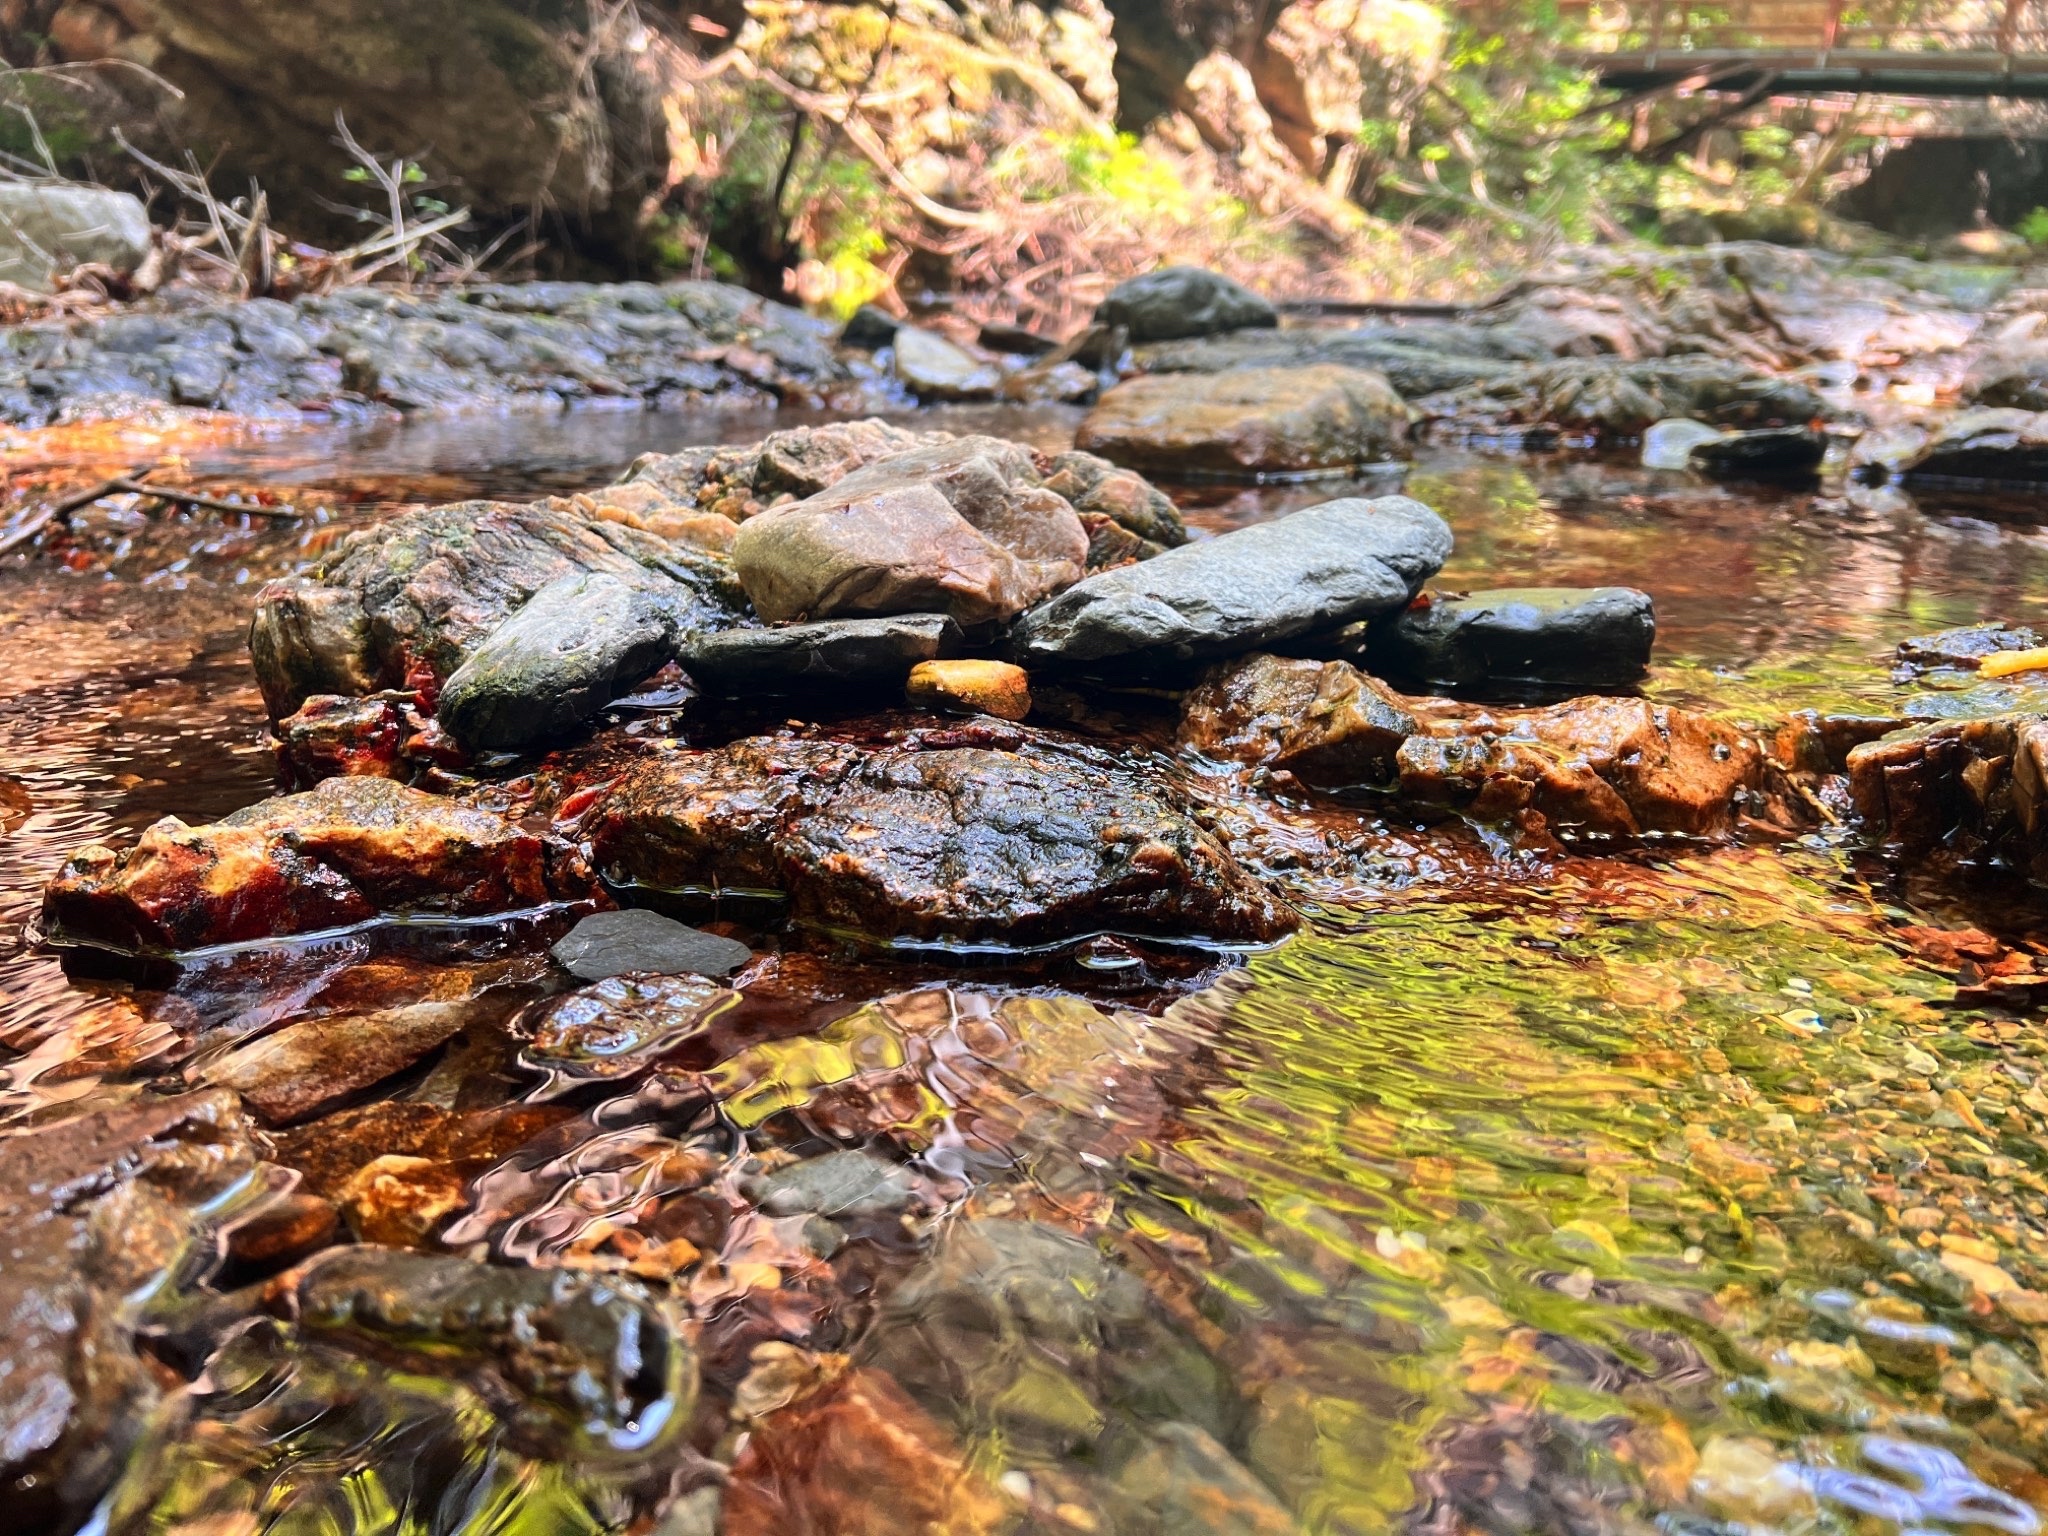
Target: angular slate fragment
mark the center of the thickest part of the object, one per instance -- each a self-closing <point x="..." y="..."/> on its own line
<point x="830" y="652"/>
<point x="636" y="940"/>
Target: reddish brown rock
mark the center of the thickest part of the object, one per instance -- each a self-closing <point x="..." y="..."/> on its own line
<point x="1592" y="767"/>
<point x="858" y="1458"/>
<point x="316" y="1064"/>
<point x="1978" y="788"/>
<point x="983" y="834"/>
<point x="328" y="1152"/>
<point x="287" y="1229"/>
<point x="398" y="1200"/>
<point x="1325" y="722"/>
<point x="333" y="736"/>
<point x="1249" y="421"/>
<point x="335" y="855"/>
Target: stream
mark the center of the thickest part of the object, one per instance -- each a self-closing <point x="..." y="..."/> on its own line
<point x="1672" y="1189"/>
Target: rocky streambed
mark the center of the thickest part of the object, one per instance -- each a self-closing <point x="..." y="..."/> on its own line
<point x="969" y="972"/>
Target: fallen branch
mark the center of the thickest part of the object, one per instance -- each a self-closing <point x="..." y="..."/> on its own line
<point x="195" y="499"/>
<point x="60" y="510"/>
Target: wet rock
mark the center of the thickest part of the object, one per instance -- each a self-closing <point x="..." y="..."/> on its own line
<point x="1519" y="638"/>
<point x="576" y="1363"/>
<point x="1593" y="768"/>
<point x="406" y="602"/>
<point x="1019" y="838"/>
<point x="1975" y="788"/>
<point x="288" y="1229"/>
<point x="971" y="687"/>
<point x="1669" y="444"/>
<point x="1015" y="340"/>
<point x="828" y="653"/>
<point x="1418" y="360"/>
<point x="933" y="369"/>
<point x="335" y="855"/>
<point x="1987" y="444"/>
<point x="329" y="1150"/>
<point x="484" y="347"/>
<point x="1174" y="302"/>
<point x="1962" y="649"/>
<point x="1184" y="1483"/>
<point x="1614" y="398"/>
<point x="614" y="943"/>
<point x="869" y="329"/>
<point x="739" y="481"/>
<point x="841" y="1185"/>
<point x="1329" y="724"/>
<point x="858" y="1458"/>
<point x="1762" y="454"/>
<point x="1252" y="421"/>
<point x="614" y="1028"/>
<point x="334" y="736"/>
<point x="398" y="1201"/>
<point x="317" y="1064"/>
<point x="573" y="647"/>
<point x="48" y="228"/>
<point x="1028" y="1328"/>
<point x="1743" y="1479"/>
<point x="1319" y="568"/>
<point x="963" y="527"/>
<point x="96" y="1211"/>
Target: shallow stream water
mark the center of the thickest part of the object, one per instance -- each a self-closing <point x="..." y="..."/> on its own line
<point x="1573" y="1195"/>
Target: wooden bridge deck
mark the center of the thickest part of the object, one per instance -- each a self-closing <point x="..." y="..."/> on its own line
<point x="1974" y="48"/>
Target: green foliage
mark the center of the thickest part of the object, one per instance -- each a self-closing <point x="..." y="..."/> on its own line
<point x="2034" y="227"/>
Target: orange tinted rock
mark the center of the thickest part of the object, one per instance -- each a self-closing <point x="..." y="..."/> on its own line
<point x="1975" y="786"/>
<point x="337" y="854"/>
<point x="1594" y="767"/>
<point x="329" y="1151"/>
<point x="288" y="1228"/>
<point x="315" y="1064"/>
<point x="399" y="1200"/>
<point x="1326" y="722"/>
<point x="985" y="687"/>
<point x="334" y="736"/>
<point x="858" y="1458"/>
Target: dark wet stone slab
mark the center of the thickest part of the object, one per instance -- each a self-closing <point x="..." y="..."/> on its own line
<point x="1766" y="453"/>
<point x="1174" y="302"/>
<point x="613" y="943"/>
<point x="95" y="1212"/>
<point x="1319" y="568"/>
<point x="573" y="1361"/>
<point x="982" y="835"/>
<point x="823" y="654"/>
<point x="1520" y="637"/>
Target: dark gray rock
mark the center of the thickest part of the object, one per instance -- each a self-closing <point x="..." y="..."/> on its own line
<point x="1984" y="445"/>
<point x="869" y="329"/>
<point x="592" y="1363"/>
<point x="1318" y="568"/>
<point x="634" y="940"/>
<point x="425" y="589"/>
<point x="825" y="654"/>
<point x="1766" y="453"/>
<point x="840" y="1185"/>
<point x="577" y="644"/>
<point x="1183" y="301"/>
<point x="1519" y="637"/>
<point x="1962" y="649"/>
<point x="1015" y="340"/>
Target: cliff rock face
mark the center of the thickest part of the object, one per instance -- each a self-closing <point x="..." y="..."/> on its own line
<point x="586" y="117"/>
<point x="522" y="102"/>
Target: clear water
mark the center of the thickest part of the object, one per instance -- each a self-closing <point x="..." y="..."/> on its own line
<point x="1582" y="1196"/>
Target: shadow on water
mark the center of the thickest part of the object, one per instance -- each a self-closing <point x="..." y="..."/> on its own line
<point x="1634" y="1192"/>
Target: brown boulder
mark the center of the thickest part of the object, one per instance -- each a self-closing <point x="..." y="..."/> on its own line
<point x="1592" y="767"/>
<point x="1250" y="420"/>
<point x="339" y="854"/>
<point x="963" y="528"/>
<point x="1325" y="722"/>
<point x="982" y="834"/>
<point x="1978" y="788"/>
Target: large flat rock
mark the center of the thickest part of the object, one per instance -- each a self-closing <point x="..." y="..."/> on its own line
<point x="1250" y="421"/>
<point x="1318" y="568"/>
<point x="977" y="835"/>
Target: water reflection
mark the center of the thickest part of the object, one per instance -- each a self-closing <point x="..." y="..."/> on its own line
<point x="1614" y="1193"/>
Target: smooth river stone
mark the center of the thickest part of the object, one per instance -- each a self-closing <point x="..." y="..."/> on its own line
<point x="829" y="652"/>
<point x="1176" y="302"/>
<point x="1532" y="637"/>
<point x="636" y="940"/>
<point x="1318" y="568"/>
